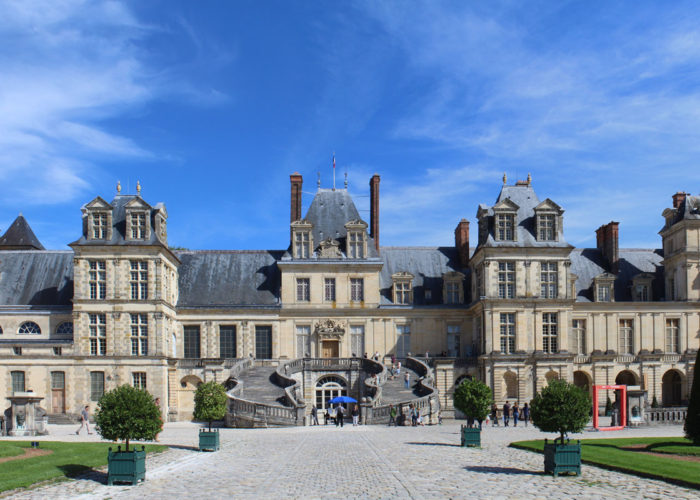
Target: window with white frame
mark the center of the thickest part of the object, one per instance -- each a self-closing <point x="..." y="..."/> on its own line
<point x="403" y="340"/>
<point x="29" y="328"/>
<point x="454" y="341"/>
<point x="548" y="280"/>
<point x="329" y="289"/>
<point x="452" y="292"/>
<point x="626" y="333"/>
<point x="357" y="289"/>
<point x="18" y="381"/>
<point x="303" y="341"/>
<point x="138" y="226"/>
<point x="99" y="226"/>
<point x="505" y="226"/>
<point x="357" y="339"/>
<point x="139" y="335"/>
<point x="604" y="292"/>
<point x="578" y="336"/>
<point x="506" y="280"/>
<point x="139" y="380"/>
<point x="303" y="290"/>
<point x="98" y="334"/>
<point x="672" y="336"/>
<point x="549" y="332"/>
<point x="642" y="292"/>
<point x="546" y="227"/>
<point x="356" y="244"/>
<point x="507" y="333"/>
<point x="302" y="244"/>
<point x="139" y="280"/>
<point x="97" y="279"/>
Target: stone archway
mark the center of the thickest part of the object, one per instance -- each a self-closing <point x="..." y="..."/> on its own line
<point x="551" y="375"/>
<point x="510" y="386"/>
<point x="626" y="377"/>
<point x="671" y="388"/>
<point x="185" y="395"/>
<point x="583" y="380"/>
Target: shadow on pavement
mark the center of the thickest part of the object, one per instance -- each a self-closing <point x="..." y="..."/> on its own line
<point x="501" y="470"/>
<point x="180" y="447"/>
<point x="433" y="444"/>
<point x="83" y="472"/>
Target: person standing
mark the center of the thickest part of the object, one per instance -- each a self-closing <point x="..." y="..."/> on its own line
<point x="355" y="416"/>
<point x="84" y="420"/>
<point x="407" y="380"/>
<point x="314" y="415"/>
<point x="339" y="416"/>
<point x="526" y="414"/>
<point x="516" y="414"/>
<point x="506" y="414"/>
<point x="392" y="415"/>
<point x="494" y="415"/>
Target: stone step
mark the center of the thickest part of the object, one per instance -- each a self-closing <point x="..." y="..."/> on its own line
<point x="258" y="386"/>
<point x="395" y="391"/>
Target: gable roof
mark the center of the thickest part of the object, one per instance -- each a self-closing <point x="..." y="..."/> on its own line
<point x="19" y="236"/>
<point x="36" y="278"/>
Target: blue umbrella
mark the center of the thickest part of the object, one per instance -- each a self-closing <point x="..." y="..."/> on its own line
<point x="343" y="399"/>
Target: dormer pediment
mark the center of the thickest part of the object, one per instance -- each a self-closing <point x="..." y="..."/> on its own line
<point x="402" y="276"/>
<point x="643" y="277"/>
<point x="356" y="224"/>
<point x="605" y="277"/>
<point x="98" y="204"/>
<point x="302" y="224"/>
<point x="506" y="205"/>
<point x="453" y="276"/>
<point x="549" y="206"/>
<point x="137" y="204"/>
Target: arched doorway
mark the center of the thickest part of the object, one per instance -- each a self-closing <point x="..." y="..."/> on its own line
<point x="510" y="386"/>
<point x="626" y="377"/>
<point x="551" y="375"/>
<point x="461" y="379"/>
<point x="185" y="395"/>
<point x="582" y="380"/>
<point x="327" y="388"/>
<point x="671" y="385"/>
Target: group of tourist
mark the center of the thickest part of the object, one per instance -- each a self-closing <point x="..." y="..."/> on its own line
<point x="518" y="414"/>
<point x="397" y="417"/>
<point x="336" y="415"/>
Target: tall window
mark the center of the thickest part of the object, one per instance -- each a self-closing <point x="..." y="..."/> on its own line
<point x="139" y="380"/>
<point x="642" y="292"/>
<point x="303" y="290"/>
<point x="303" y="341"/>
<point x="329" y="289"/>
<point x="452" y="292"/>
<point x="672" y="336"/>
<point x="548" y="280"/>
<point x="302" y="244"/>
<point x="403" y="340"/>
<point x="402" y="292"/>
<point x="546" y="228"/>
<point x="357" y="339"/>
<point x="97" y="276"/>
<point x="98" y="334"/>
<point x="97" y="385"/>
<point x="578" y="334"/>
<point x="139" y="335"/>
<point x="58" y="380"/>
<point x="506" y="280"/>
<point x="18" y="382"/>
<point x="227" y="341"/>
<point x="139" y="280"/>
<point x="263" y="341"/>
<point x="138" y="226"/>
<point x="356" y="245"/>
<point x="191" y="341"/>
<point x="99" y="226"/>
<point x="507" y="333"/>
<point x="604" y="293"/>
<point x="454" y="341"/>
<point x="357" y="289"/>
<point x="504" y="227"/>
<point x="549" y="332"/>
<point x="626" y="339"/>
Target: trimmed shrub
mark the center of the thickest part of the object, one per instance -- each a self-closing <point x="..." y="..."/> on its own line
<point x="692" y="422"/>
<point x="473" y="398"/>
<point x="210" y="402"/>
<point x="654" y="402"/>
<point x="608" y="407"/>
<point x="561" y="407"/>
<point x="128" y="414"/>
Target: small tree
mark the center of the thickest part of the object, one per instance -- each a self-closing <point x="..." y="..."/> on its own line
<point x="210" y="402"/>
<point x="654" y="402"/>
<point x="608" y="407"/>
<point x="692" y="421"/>
<point x="473" y="398"/>
<point x="560" y="407"/>
<point x="128" y="414"/>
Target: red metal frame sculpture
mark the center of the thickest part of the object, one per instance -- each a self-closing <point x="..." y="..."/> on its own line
<point x="623" y="406"/>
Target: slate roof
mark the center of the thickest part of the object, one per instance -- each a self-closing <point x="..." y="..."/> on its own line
<point x="19" y="236"/>
<point x="229" y="278"/>
<point x="524" y="196"/>
<point x="427" y="266"/>
<point x="36" y="278"/>
<point x="587" y="263"/>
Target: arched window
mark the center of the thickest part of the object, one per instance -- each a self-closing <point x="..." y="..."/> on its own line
<point x="461" y="379"/>
<point x="65" y="328"/>
<point x="29" y="328"/>
<point x="510" y="385"/>
<point x="327" y="388"/>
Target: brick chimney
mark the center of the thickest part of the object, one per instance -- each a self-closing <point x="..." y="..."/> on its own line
<point x="462" y="242"/>
<point x="608" y="241"/>
<point x="374" y="209"/>
<point x="678" y="199"/>
<point x="296" y="181"/>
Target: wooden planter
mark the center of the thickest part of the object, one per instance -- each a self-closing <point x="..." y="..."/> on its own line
<point x="126" y="466"/>
<point x="471" y="436"/>
<point x="562" y="457"/>
<point x="208" y="441"/>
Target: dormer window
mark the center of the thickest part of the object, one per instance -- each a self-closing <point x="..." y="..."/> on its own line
<point x="641" y="287"/>
<point x="546" y="229"/>
<point x="403" y="288"/>
<point x="302" y="239"/>
<point x="604" y="287"/>
<point x="453" y="289"/>
<point x="138" y="226"/>
<point x="99" y="225"/>
<point x="548" y="219"/>
<point x="356" y="239"/>
<point x="505" y="224"/>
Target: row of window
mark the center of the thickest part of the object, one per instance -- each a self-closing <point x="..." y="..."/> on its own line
<point x="505" y="227"/>
<point x="357" y="290"/>
<point x="137" y="224"/>
<point x="31" y="328"/>
<point x="138" y="279"/>
<point x="549" y="282"/>
<point x="58" y="382"/>
<point x="577" y="342"/>
<point x="356" y="241"/>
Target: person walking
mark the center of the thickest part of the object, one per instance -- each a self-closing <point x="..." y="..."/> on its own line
<point x="526" y="414"/>
<point x="516" y="414"/>
<point x="355" y="416"/>
<point x="407" y="380"/>
<point x="84" y="420"/>
<point x="414" y="416"/>
<point x="314" y="415"/>
<point x="494" y="416"/>
<point x="506" y="414"/>
<point x="392" y="415"/>
<point x="339" y="416"/>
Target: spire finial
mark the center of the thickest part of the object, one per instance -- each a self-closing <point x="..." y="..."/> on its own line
<point x="529" y="179"/>
<point x="505" y="178"/>
<point x="333" y="170"/>
<point x="318" y="182"/>
<point x="119" y="187"/>
<point x="346" y="180"/>
<point x="138" y="188"/>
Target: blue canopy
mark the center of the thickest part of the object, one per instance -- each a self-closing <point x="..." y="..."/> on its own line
<point x="343" y="399"/>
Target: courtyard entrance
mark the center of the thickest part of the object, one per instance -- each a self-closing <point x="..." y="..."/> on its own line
<point x="327" y="388"/>
<point x="330" y="349"/>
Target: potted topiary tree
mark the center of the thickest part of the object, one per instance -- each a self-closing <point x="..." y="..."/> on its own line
<point x="561" y="407"/>
<point x="209" y="405"/>
<point x="127" y="414"/>
<point x="692" y="421"/>
<point x="473" y="398"/>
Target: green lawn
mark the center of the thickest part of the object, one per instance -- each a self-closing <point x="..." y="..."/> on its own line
<point x="609" y="453"/>
<point x="67" y="460"/>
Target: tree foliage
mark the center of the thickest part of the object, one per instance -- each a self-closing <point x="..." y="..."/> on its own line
<point x="692" y="421"/>
<point x="128" y="414"/>
<point x="473" y="398"/>
<point x="210" y="402"/>
<point x="561" y="407"/>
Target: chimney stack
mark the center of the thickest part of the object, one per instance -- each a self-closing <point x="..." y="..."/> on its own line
<point x="462" y="242"/>
<point x="374" y="209"/>
<point x="608" y="241"/>
<point x="678" y="199"/>
<point x="296" y="181"/>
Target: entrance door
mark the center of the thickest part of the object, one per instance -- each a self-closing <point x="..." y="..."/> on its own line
<point x="58" y="392"/>
<point x="330" y="349"/>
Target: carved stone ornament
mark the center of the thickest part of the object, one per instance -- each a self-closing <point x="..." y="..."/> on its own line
<point x="329" y="329"/>
<point x="329" y="249"/>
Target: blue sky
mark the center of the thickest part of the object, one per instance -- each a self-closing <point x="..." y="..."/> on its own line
<point x="211" y="105"/>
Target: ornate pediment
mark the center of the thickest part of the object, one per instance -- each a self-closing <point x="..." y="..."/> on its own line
<point x="329" y="329"/>
<point x="506" y="205"/>
<point x="329" y="249"/>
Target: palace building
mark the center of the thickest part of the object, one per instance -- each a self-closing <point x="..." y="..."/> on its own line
<point x="287" y="328"/>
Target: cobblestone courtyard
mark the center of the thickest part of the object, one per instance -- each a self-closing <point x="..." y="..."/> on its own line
<point x="358" y="462"/>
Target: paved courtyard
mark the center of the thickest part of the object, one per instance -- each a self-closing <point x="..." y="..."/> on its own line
<point x="358" y="462"/>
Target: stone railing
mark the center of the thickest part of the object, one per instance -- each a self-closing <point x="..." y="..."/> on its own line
<point x="581" y="359"/>
<point x="667" y="416"/>
<point x="374" y="384"/>
<point x="670" y="358"/>
<point x="253" y="414"/>
<point x="292" y="388"/>
<point x="233" y="385"/>
<point x="625" y="358"/>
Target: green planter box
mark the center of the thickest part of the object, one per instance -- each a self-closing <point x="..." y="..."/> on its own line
<point x="471" y="436"/>
<point x="562" y="457"/>
<point x="126" y="466"/>
<point x="208" y="441"/>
